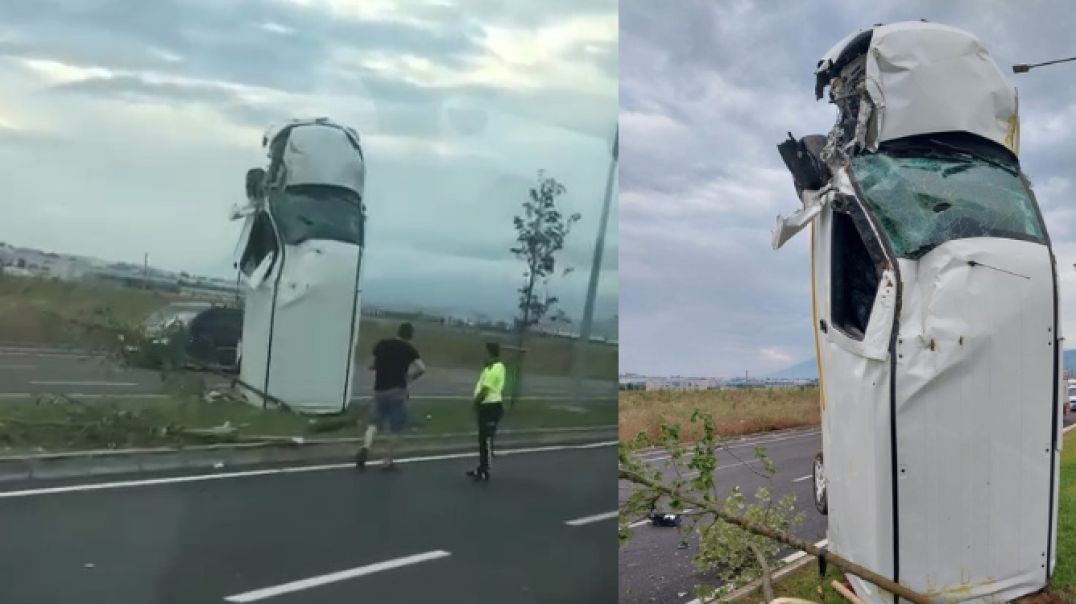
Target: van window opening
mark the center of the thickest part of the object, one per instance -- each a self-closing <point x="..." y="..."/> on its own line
<point x="261" y="243"/>
<point x="854" y="278"/>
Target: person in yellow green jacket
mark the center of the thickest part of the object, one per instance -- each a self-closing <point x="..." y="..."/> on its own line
<point x="489" y="408"/>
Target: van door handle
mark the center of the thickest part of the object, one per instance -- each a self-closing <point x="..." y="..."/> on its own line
<point x="822" y="326"/>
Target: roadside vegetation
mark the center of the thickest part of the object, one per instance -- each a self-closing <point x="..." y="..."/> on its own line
<point x="91" y="314"/>
<point x="735" y="412"/>
<point x="52" y="423"/>
<point x="740" y="534"/>
<point x="806" y="584"/>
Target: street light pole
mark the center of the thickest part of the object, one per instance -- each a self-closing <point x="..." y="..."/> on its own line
<point x="595" y="270"/>
<point x="1025" y="67"/>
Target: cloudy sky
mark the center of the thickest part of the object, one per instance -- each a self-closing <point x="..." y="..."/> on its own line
<point x="707" y="91"/>
<point x="127" y="126"/>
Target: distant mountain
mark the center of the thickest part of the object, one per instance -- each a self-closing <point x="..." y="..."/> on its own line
<point x="806" y="370"/>
<point x="809" y="368"/>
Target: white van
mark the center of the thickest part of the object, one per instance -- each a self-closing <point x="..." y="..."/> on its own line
<point x="935" y="303"/>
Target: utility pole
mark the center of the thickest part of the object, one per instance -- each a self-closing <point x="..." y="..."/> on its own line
<point x="595" y="270"/>
<point x="145" y="270"/>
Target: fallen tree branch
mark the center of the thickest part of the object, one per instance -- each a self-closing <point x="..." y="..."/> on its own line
<point x="791" y="540"/>
<point x="767" y="588"/>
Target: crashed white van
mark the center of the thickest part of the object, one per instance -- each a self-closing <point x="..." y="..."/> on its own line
<point x="300" y="261"/>
<point x="935" y="302"/>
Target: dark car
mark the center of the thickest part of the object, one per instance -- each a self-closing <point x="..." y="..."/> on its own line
<point x="199" y="337"/>
<point x="213" y="337"/>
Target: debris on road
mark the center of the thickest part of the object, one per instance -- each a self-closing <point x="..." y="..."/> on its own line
<point x="665" y="520"/>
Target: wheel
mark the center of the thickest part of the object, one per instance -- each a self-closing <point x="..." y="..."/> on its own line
<point x="821" y="502"/>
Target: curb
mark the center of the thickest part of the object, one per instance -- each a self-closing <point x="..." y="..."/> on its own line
<point x="54" y="466"/>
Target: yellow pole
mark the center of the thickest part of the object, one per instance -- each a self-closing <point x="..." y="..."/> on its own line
<point x="814" y="327"/>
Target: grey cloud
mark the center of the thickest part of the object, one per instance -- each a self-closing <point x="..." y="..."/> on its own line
<point x="416" y="247"/>
<point x="129" y="86"/>
<point x="216" y="40"/>
<point x="707" y="91"/>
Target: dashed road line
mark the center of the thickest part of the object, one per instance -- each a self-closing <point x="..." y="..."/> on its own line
<point x="351" y="573"/>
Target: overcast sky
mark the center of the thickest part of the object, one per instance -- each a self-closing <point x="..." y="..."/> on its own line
<point x="127" y="126"/>
<point x="707" y="91"/>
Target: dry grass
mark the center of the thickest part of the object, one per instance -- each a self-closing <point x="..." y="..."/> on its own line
<point x="46" y="311"/>
<point x="735" y="412"/>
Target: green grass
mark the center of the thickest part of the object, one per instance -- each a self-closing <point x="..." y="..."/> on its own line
<point x="804" y="582"/>
<point x="52" y="424"/>
<point x="1065" y="572"/>
<point x="90" y="314"/>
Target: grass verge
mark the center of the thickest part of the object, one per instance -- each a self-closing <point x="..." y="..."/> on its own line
<point x="1062" y="590"/>
<point x="87" y="314"/>
<point x="52" y="424"/>
<point x="735" y="412"/>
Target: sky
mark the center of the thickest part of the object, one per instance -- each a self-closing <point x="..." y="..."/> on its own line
<point x="707" y="91"/>
<point x="126" y="127"/>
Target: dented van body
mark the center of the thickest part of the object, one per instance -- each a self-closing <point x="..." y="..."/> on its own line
<point x="300" y="264"/>
<point x="935" y="311"/>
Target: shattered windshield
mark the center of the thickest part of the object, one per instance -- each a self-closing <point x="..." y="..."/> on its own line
<point x="318" y="212"/>
<point x="927" y="195"/>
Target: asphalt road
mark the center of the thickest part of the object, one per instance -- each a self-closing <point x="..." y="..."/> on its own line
<point x="652" y="567"/>
<point x="26" y="370"/>
<point x="322" y="535"/>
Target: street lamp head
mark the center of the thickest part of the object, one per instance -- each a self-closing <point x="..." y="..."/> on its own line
<point x="1021" y="68"/>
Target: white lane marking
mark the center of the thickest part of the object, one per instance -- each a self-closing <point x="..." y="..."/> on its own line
<point x="742" y="440"/>
<point x="351" y="573"/>
<point x="77" y="383"/>
<point x="18" y="348"/>
<point x="10" y="395"/>
<point x="267" y="472"/>
<point x="789" y="559"/>
<point x="786" y="560"/>
<point x="62" y="355"/>
<point x="739" y="445"/>
<point x="802" y="478"/>
<point x="594" y="518"/>
<point x="726" y="467"/>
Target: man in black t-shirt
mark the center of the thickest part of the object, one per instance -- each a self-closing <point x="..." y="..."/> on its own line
<point x="396" y="364"/>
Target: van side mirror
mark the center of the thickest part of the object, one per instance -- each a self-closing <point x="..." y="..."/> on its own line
<point x="255" y="183"/>
<point x="803" y="158"/>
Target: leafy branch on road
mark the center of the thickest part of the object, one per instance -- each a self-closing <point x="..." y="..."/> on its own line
<point x="738" y="538"/>
<point x="727" y="551"/>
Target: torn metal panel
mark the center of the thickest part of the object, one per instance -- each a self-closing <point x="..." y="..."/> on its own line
<point x="300" y="262"/>
<point x="934" y="78"/>
<point x="813" y="204"/>
<point x="975" y="383"/>
<point x="935" y="309"/>
<point x="909" y="78"/>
